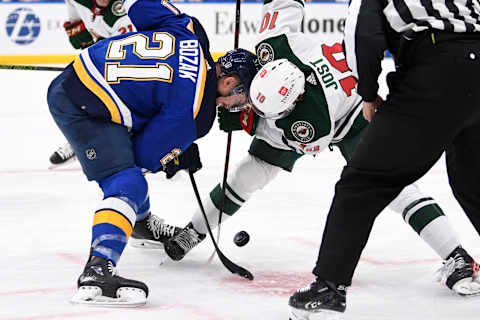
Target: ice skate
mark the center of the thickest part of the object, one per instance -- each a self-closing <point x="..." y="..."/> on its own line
<point x="321" y="300"/>
<point x="99" y="285"/>
<point x="178" y="246"/>
<point x="63" y="155"/>
<point x="151" y="233"/>
<point x="460" y="273"/>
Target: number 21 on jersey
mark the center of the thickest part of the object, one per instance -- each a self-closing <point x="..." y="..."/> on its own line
<point x="140" y="46"/>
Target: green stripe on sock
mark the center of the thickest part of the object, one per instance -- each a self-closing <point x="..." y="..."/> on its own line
<point x="424" y="216"/>
<point x="413" y="204"/>
<point x="230" y="207"/>
<point x="235" y="195"/>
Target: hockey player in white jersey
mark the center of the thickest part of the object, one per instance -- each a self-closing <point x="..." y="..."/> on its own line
<point x="302" y="101"/>
<point x="88" y="22"/>
<point x="92" y="20"/>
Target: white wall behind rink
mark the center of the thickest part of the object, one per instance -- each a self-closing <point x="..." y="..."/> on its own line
<point x="43" y="34"/>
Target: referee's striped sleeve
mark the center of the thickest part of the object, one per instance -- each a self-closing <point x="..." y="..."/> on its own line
<point x="365" y="43"/>
<point x="461" y="16"/>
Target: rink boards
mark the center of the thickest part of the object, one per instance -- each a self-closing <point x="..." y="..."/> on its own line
<point x="33" y="32"/>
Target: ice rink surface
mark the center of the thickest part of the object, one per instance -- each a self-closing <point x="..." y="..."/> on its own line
<point x="46" y="219"/>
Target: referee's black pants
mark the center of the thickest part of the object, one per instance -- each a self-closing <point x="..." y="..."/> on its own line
<point x="433" y="106"/>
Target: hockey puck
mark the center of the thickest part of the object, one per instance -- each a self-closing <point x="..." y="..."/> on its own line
<point x="241" y="238"/>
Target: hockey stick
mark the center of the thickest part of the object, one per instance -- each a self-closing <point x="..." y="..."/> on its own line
<point x="25" y="67"/>
<point x="237" y="24"/>
<point x="232" y="267"/>
<point x="229" y="136"/>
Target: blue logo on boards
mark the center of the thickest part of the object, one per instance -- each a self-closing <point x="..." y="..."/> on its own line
<point x="23" y="26"/>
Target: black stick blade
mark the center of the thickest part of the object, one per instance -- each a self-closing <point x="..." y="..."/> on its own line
<point x="232" y="267"/>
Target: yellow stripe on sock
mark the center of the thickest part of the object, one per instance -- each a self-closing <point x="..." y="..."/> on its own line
<point x="114" y="218"/>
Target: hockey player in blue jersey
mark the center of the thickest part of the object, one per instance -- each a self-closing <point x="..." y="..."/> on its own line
<point x="136" y="102"/>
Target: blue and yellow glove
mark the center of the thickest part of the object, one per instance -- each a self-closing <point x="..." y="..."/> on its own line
<point x="187" y="160"/>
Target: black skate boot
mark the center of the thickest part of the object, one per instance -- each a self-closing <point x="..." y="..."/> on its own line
<point x="151" y="233"/>
<point x="178" y="246"/>
<point x="460" y="273"/>
<point x="99" y="285"/>
<point x="62" y="155"/>
<point x="320" y="300"/>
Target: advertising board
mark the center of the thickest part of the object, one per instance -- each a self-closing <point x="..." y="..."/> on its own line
<point x="36" y="28"/>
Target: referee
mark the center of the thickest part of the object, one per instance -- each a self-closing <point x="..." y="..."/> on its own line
<point x="433" y="107"/>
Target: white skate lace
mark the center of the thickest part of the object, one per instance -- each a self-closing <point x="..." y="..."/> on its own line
<point x="66" y="151"/>
<point x="111" y="268"/>
<point x="449" y="267"/>
<point x="187" y="239"/>
<point x="158" y="228"/>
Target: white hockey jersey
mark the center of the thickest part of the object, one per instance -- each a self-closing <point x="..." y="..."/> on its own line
<point x="330" y="104"/>
<point x="100" y="22"/>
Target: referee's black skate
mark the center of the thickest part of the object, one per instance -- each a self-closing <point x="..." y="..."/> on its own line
<point x="460" y="273"/>
<point x="151" y="233"/>
<point x="178" y="246"/>
<point x="319" y="300"/>
<point x="62" y="155"/>
<point x="99" y="285"/>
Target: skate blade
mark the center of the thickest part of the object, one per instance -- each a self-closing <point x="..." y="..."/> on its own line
<point x="298" y="314"/>
<point x="53" y="166"/>
<point x="127" y="297"/>
<point x="467" y="288"/>
<point x="145" y="244"/>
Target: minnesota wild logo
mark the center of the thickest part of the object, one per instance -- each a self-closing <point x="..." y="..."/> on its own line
<point x="265" y="53"/>
<point x="118" y="9"/>
<point x="303" y="131"/>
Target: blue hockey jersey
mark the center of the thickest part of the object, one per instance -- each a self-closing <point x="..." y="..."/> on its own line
<point x="160" y="82"/>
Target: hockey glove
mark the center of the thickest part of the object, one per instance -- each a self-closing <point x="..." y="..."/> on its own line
<point x="228" y="121"/>
<point x="187" y="160"/>
<point x="249" y="120"/>
<point x="233" y="121"/>
<point x="78" y="35"/>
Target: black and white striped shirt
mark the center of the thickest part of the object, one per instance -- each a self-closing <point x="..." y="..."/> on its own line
<point x="448" y="15"/>
<point x="372" y="24"/>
